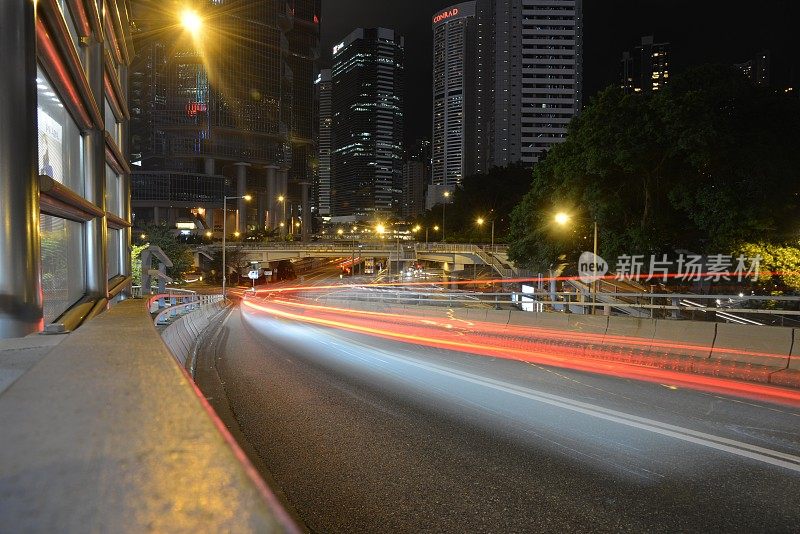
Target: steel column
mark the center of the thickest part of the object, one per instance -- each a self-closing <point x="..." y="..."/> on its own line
<point x="20" y="251"/>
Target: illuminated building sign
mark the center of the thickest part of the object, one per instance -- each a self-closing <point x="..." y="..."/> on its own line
<point x="193" y="108"/>
<point x="458" y="11"/>
<point x="338" y="48"/>
<point x="445" y="15"/>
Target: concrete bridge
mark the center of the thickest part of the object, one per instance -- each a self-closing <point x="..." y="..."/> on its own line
<point x="452" y="256"/>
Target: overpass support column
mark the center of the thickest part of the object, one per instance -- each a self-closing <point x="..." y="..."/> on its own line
<point x="241" y="190"/>
<point x="20" y="252"/>
<point x="272" y="196"/>
<point x="306" y="227"/>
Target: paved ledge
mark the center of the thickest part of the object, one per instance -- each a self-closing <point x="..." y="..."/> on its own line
<point x="104" y="432"/>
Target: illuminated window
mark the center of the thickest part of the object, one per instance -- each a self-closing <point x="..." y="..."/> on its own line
<point x="60" y="141"/>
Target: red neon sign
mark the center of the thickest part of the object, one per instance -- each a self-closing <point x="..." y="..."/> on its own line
<point x="193" y="108"/>
<point x="445" y="15"/>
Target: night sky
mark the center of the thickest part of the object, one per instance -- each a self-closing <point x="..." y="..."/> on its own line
<point x="701" y="31"/>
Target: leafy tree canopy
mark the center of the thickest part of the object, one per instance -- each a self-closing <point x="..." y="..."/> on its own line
<point x="706" y="165"/>
<point x="180" y="253"/>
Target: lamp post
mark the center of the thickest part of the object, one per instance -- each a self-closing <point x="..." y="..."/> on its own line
<point x="563" y="219"/>
<point x="444" y="205"/>
<point x="282" y="200"/>
<point x="480" y="222"/>
<point x="353" y="252"/>
<point x="380" y="229"/>
<point x="225" y="236"/>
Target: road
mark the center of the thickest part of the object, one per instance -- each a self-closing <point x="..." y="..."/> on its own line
<point x="365" y="434"/>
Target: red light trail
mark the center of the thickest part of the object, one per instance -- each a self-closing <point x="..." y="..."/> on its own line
<point x="595" y="353"/>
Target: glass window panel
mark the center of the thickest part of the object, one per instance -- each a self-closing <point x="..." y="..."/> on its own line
<point x="111" y="124"/>
<point x="63" y="278"/>
<point x="113" y="254"/>
<point x="60" y="141"/>
<point x="113" y="197"/>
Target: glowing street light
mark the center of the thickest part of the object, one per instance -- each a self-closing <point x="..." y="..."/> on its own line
<point x="282" y="199"/>
<point x="480" y="221"/>
<point x="444" y="204"/>
<point x="380" y="228"/>
<point x="562" y="219"/>
<point x="191" y="21"/>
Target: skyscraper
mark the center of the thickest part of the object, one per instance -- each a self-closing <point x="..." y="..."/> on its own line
<point x="529" y="71"/>
<point x="757" y="69"/>
<point x="322" y="189"/>
<point x="367" y="155"/>
<point x="303" y="57"/>
<point x="646" y="67"/>
<point x="217" y="114"/>
<point x="454" y="105"/>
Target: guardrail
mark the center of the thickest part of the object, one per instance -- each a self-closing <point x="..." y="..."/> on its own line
<point x="670" y="307"/>
<point x="197" y="301"/>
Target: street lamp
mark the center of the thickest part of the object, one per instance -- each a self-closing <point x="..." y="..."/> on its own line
<point x="353" y="253"/>
<point x="225" y="235"/>
<point x="480" y="222"/>
<point x="191" y="21"/>
<point x="444" y="205"/>
<point x="282" y="199"/>
<point x="563" y="219"/>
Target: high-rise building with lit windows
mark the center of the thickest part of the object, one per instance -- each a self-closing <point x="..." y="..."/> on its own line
<point x="322" y="188"/>
<point x="528" y="78"/>
<point x="367" y="140"/>
<point x="757" y="69"/>
<point x="454" y="105"/>
<point x="646" y="67"/>
<point x="226" y="111"/>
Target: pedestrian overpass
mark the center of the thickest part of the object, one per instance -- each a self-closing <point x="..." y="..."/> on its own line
<point x="452" y="256"/>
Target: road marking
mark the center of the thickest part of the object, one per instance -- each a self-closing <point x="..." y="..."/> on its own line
<point x="768" y="456"/>
<point x="738" y="448"/>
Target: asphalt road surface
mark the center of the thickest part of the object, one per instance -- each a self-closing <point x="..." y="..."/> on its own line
<point x="369" y="435"/>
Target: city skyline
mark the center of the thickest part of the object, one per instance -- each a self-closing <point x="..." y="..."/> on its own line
<point x="713" y="33"/>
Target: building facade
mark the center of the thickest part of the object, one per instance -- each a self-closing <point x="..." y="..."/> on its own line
<point x="367" y="103"/>
<point x="322" y="189"/>
<point x="646" y="67"/>
<point x="454" y="93"/>
<point x="528" y="79"/>
<point x="757" y="69"/>
<point x="413" y="196"/>
<point x="64" y="199"/>
<point x="224" y="111"/>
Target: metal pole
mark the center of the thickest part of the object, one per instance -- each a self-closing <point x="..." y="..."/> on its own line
<point x="20" y="249"/>
<point x="444" y="204"/>
<point x="353" y="257"/>
<point x="492" y="234"/>
<point x="594" y="282"/>
<point x="224" y="241"/>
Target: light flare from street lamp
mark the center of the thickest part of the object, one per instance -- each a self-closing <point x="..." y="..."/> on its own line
<point x="248" y="198"/>
<point x="281" y="198"/>
<point x="562" y="218"/>
<point x="380" y="228"/>
<point x="191" y="21"/>
<point x="480" y="221"/>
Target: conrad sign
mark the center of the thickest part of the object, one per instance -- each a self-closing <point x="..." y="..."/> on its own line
<point x="459" y="11"/>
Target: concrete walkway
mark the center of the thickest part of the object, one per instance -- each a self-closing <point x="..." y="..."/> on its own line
<point x="102" y="431"/>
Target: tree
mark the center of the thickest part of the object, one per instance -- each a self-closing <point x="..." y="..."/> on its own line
<point x="703" y="165"/>
<point x="179" y="253"/>
<point x="136" y="263"/>
<point x="492" y="196"/>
